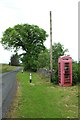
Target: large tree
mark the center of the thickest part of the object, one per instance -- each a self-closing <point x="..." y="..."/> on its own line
<point x="29" y="38"/>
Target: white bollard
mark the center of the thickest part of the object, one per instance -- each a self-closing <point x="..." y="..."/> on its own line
<point x="30" y="78"/>
<point x="22" y="71"/>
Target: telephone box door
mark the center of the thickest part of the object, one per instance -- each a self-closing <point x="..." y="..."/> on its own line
<point x="67" y="73"/>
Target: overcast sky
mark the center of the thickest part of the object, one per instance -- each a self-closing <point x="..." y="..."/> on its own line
<point x="64" y="19"/>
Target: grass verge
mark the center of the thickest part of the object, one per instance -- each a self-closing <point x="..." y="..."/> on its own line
<point x="41" y="99"/>
<point x="6" y="68"/>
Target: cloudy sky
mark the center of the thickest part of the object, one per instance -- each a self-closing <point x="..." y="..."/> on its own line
<point x="64" y="19"/>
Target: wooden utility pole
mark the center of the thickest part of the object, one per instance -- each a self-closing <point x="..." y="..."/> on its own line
<point x="51" y="68"/>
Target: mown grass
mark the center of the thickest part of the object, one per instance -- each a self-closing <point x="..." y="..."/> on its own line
<point x="6" y="68"/>
<point x="41" y="99"/>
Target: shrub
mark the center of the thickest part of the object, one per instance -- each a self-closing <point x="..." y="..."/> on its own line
<point x="74" y="72"/>
<point x="55" y="73"/>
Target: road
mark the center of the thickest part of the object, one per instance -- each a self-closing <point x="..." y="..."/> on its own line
<point x="8" y="86"/>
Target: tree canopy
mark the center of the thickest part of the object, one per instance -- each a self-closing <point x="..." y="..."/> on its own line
<point x="29" y="38"/>
<point x="58" y="50"/>
<point x="26" y="36"/>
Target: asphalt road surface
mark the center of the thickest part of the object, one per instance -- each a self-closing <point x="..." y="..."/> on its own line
<point x="8" y="88"/>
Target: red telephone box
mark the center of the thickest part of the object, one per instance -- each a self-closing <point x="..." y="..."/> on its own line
<point x="65" y="71"/>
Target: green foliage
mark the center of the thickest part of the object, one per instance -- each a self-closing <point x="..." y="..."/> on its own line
<point x="26" y="36"/>
<point x="14" y="60"/>
<point x="58" y="50"/>
<point x="75" y="72"/>
<point x="29" y="38"/>
<point x="29" y="62"/>
<point x="43" y="59"/>
<point x="55" y="74"/>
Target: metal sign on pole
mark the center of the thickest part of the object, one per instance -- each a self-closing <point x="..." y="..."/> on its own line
<point x="51" y="68"/>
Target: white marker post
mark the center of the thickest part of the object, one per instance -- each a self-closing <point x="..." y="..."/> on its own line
<point x="30" y="78"/>
<point x="22" y="71"/>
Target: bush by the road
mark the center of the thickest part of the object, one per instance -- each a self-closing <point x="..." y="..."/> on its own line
<point x="75" y="72"/>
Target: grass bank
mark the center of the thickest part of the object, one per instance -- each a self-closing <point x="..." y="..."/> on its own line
<point x="6" y="68"/>
<point x="41" y="99"/>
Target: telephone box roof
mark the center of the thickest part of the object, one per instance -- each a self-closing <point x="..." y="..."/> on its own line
<point x="64" y="58"/>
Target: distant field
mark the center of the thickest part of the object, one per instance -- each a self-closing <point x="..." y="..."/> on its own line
<point x="6" y="68"/>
